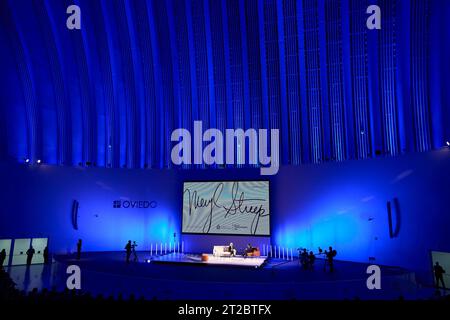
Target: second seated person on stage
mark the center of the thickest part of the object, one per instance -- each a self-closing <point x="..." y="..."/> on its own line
<point x="248" y="250"/>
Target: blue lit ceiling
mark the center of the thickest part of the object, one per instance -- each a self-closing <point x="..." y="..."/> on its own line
<point x="111" y="93"/>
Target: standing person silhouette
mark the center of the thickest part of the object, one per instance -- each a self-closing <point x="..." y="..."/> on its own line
<point x="30" y="253"/>
<point x="45" y="254"/>
<point x="133" y="249"/>
<point x="311" y="259"/>
<point x="2" y="258"/>
<point x="128" y="250"/>
<point x="79" y="249"/>
<point x="330" y="254"/>
<point x="304" y="259"/>
<point x="439" y="275"/>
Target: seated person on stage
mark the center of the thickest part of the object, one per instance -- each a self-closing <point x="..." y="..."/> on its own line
<point x="231" y="249"/>
<point x="248" y="250"/>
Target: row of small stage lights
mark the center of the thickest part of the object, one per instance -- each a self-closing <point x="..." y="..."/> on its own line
<point x="28" y="161"/>
<point x="160" y="249"/>
<point x="277" y="252"/>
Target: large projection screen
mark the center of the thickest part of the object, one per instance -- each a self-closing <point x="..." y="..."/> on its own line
<point x="226" y="208"/>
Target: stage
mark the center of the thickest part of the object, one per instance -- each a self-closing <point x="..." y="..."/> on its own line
<point x="237" y="261"/>
<point x="107" y="273"/>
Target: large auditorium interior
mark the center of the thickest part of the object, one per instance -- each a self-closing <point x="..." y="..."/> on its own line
<point x="208" y="151"/>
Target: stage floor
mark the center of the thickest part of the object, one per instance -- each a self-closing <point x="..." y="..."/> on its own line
<point x="238" y="261"/>
<point x="107" y="273"/>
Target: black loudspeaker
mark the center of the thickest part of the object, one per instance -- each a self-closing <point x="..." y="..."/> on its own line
<point x="75" y="206"/>
<point x="389" y="212"/>
<point x="398" y="218"/>
<point x="393" y="232"/>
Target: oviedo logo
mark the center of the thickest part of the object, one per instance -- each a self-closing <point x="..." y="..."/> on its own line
<point x="131" y="204"/>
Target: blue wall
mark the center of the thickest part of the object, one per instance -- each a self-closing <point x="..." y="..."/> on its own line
<point x="338" y="204"/>
<point x="38" y="201"/>
<point x="345" y="205"/>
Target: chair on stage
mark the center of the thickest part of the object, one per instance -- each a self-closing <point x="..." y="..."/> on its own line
<point x="221" y="251"/>
<point x="253" y="252"/>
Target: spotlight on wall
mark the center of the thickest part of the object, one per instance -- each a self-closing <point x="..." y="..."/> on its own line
<point x="38" y="161"/>
<point x="447" y="143"/>
<point x="27" y="160"/>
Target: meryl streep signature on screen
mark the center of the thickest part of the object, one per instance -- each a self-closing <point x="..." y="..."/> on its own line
<point x="237" y="206"/>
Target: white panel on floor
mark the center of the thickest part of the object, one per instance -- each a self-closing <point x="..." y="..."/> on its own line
<point x="20" y="251"/>
<point x="6" y="244"/>
<point x="39" y="245"/>
<point x="444" y="260"/>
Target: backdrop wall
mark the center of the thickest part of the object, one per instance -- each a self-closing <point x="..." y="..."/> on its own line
<point x="37" y="202"/>
<point x="345" y="205"/>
